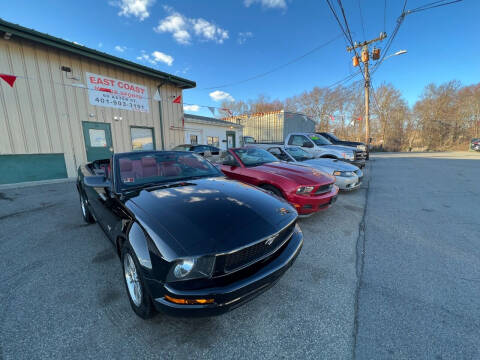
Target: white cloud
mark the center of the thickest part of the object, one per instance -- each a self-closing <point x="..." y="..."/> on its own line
<point x="177" y="25"/>
<point x="155" y="58"/>
<point x="218" y="95"/>
<point x="209" y="31"/>
<point x="183" y="28"/>
<point x="243" y="36"/>
<point x="281" y="4"/>
<point x="193" y="108"/>
<point x="136" y="8"/>
<point x="162" y="57"/>
<point x="120" y="48"/>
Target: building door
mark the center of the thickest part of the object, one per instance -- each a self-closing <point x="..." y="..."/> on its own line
<point x="98" y="140"/>
<point x="230" y="139"/>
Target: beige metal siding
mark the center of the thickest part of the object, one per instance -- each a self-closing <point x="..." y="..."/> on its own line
<point x="43" y="112"/>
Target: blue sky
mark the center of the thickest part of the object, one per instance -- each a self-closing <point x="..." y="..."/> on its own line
<point x="218" y="42"/>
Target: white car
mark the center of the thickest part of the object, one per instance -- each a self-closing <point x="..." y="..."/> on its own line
<point x="321" y="147"/>
<point x="349" y="177"/>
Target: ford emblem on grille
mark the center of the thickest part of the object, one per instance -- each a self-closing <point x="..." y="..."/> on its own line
<point x="270" y="240"/>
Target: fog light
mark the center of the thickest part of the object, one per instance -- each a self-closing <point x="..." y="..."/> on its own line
<point x="189" y="301"/>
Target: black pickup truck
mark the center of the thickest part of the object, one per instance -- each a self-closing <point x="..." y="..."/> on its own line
<point x="336" y="141"/>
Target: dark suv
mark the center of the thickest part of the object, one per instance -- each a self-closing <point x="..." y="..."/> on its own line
<point x="362" y="149"/>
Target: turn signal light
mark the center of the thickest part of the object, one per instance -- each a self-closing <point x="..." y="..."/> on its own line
<point x="189" y="301"/>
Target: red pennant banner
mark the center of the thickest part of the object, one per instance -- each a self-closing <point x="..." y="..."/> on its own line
<point x="10" y="79"/>
<point x="228" y="111"/>
<point x="177" y="100"/>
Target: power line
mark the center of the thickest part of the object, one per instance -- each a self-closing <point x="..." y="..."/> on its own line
<point x="384" y="15"/>
<point x="361" y="19"/>
<point x="432" y="5"/>
<point x="276" y="68"/>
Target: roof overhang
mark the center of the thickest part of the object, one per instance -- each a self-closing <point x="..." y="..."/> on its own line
<point x="15" y="30"/>
<point x="212" y="123"/>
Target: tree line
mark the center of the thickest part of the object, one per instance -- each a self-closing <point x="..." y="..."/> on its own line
<point x="445" y="117"/>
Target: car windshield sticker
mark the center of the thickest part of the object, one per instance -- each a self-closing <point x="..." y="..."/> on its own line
<point x="128" y="180"/>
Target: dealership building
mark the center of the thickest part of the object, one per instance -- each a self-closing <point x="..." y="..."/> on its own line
<point x="63" y="104"/>
<point x="212" y="131"/>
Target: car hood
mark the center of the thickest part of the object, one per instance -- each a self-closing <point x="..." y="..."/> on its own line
<point x="210" y="216"/>
<point x="300" y="174"/>
<point x="329" y="165"/>
<point x="341" y="148"/>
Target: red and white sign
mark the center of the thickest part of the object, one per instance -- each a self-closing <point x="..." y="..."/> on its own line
<point x="119" y="94"/>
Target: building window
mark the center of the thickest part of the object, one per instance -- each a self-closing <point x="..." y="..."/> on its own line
<point x="97" y="138"/>
<point x="213" y="140"/>
<point x="194" y="139"/>
<point x="142" y="138"/>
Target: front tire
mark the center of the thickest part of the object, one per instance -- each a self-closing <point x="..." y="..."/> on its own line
<point x="138" y="296"/>
<point x="87" y="215"/>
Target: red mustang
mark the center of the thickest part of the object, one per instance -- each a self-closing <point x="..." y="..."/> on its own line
<point x="305" y="188"/>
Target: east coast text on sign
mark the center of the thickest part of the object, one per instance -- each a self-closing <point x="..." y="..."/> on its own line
<point x="120" y="94"/>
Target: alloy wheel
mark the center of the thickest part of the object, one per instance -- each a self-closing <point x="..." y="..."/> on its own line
<point x="132" y="279"/>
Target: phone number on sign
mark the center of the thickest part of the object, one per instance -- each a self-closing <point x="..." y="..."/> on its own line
<point x="119" y="101"/>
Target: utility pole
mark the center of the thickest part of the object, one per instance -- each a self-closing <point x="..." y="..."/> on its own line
<point x="365" y="57"/>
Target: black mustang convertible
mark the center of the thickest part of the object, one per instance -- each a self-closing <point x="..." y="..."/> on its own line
<point x="191" y="241"/>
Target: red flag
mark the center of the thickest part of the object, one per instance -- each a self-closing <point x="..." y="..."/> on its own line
<point x="228" y="111"/>
<point x="177" y="100"/>
<point x="359" y="119"/>
<point x="331" y="117"/>
<point x="10" y="79"/>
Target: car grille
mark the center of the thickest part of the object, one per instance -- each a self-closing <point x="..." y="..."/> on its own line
<point x="258" y="251"/>
<point x="360" y="155"/>
<point x="323" y="189"/>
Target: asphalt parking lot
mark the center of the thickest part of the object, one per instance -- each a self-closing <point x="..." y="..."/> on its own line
<point x="419" y="295"/>
<point x="416" y="259"/>
<point x="62" y="291"/>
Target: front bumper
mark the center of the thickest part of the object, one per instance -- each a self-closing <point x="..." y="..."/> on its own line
<point x="235" y="294"/>
<point x="348" y="183"/>
<point x="307" y="205"/>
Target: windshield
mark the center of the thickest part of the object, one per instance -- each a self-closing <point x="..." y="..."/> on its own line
<point x="185" y="147"/>
<point x="298" y="153"/>
<point x="152" y="168"/>
<point x="319" y="140"/>
<point x="333" y="137"/>
<point x="248" y="140"/>
<point x="254" y="156"/>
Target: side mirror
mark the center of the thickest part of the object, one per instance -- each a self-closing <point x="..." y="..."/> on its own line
<point x="98" y="181"/>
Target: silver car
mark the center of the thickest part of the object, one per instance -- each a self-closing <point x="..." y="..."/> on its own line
<point x="349" y="177"/>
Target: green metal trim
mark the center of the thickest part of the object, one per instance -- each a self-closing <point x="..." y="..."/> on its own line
<point x="143" y="127"/>
<point x="229" y="132"/>
<point x="35" y="36"/>
<point x="32" y="167"/>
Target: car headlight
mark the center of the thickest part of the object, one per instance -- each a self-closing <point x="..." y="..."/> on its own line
<point x="191" y="268"/>
<point x="348" y="156"/>
<point x="362" y="147"/>
<point x="305" y="190"/>
<point x="344" y="173"/>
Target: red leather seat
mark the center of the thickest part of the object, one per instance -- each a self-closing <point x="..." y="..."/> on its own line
<point x="170" y="169"/>
<point x="149" y="167"/>
<point x="126" y="170"/>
